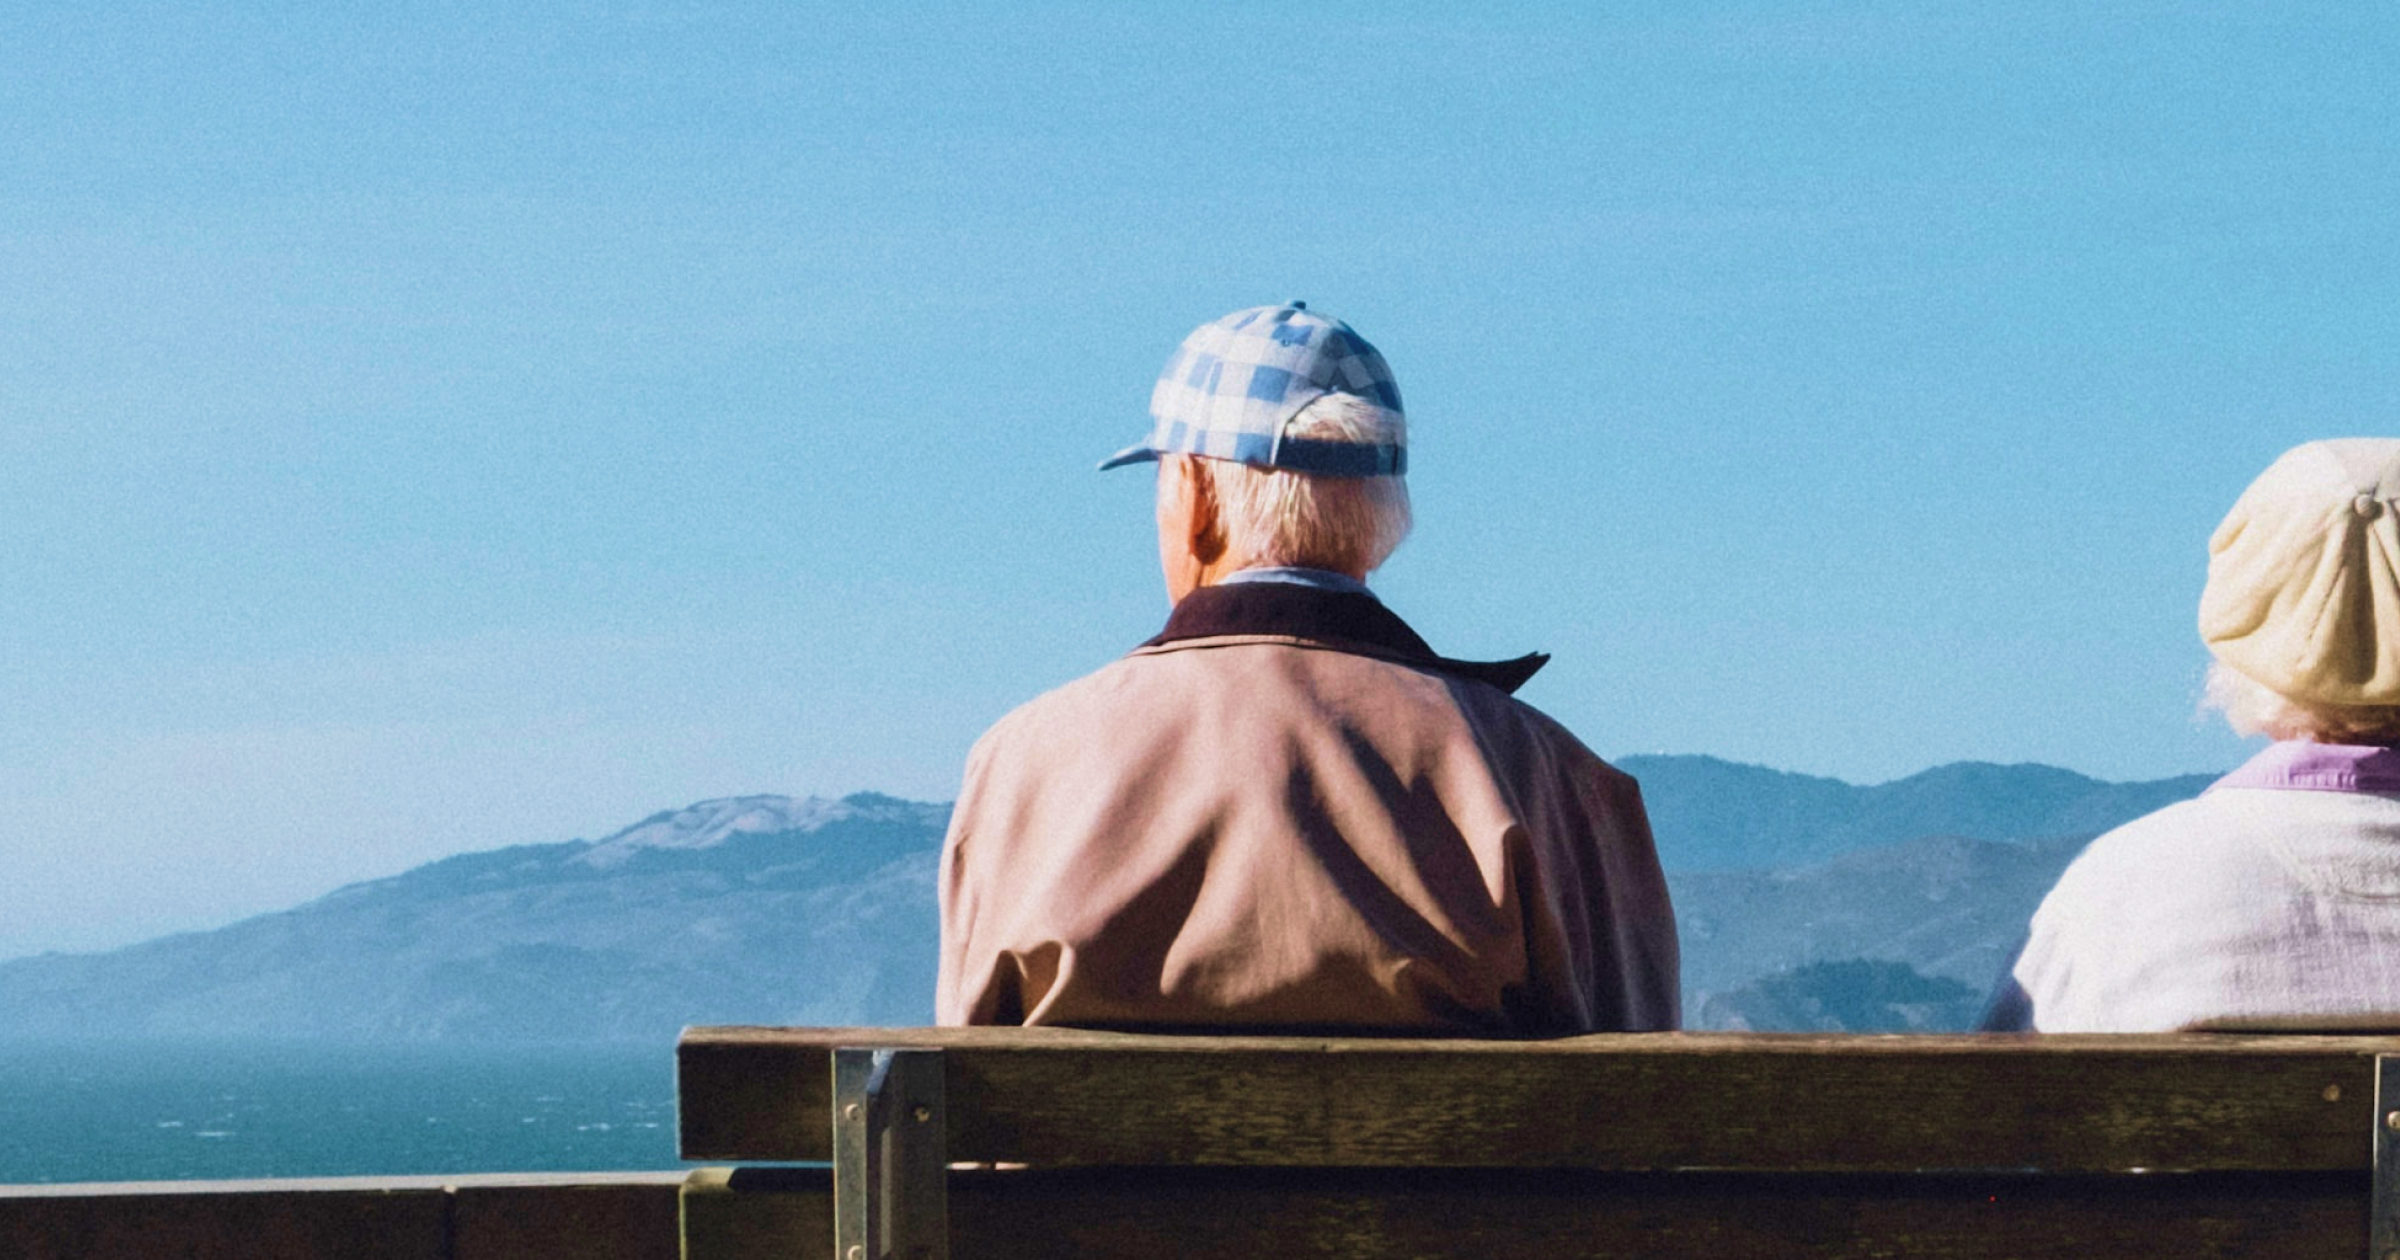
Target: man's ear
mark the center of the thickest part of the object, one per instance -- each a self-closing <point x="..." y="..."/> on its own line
<point x="1207" y="528"/>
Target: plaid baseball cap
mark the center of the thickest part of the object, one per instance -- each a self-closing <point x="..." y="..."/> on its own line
<point x="1234" y="385"/>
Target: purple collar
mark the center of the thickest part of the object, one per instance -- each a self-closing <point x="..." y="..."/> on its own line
<point x="2299" y="766"/>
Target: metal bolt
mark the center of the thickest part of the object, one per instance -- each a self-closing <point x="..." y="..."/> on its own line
<point x="850" y="1111"/>
<point x="2391" y="1120"/>
<point x="923" y="1114"/>
<point x="859" y="1252"/>
<point x="2333" y="1093"/>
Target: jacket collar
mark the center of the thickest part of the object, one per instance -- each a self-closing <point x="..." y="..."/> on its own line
<point x="1338" y="620"/>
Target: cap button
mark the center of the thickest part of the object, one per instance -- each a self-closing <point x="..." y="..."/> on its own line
<point x="2366" y="507"/>
<point x="1297" y="305"/>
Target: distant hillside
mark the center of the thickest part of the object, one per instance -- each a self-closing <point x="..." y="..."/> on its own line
<point x="1722" y="815"/>
<point x="1946" y="907"/>
<point x="767" y="909"/>
<point x="757" y="909"/>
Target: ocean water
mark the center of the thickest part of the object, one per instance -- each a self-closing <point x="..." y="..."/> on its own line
<point x="137" y="1112"/>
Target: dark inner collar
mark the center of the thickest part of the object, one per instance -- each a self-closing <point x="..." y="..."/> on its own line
<point x="1337" y="619"/>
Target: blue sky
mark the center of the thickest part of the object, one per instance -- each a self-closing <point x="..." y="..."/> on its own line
<point x="446" y="426"/>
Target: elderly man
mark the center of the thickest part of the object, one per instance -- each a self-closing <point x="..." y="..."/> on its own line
<point x="1286" y="811"/>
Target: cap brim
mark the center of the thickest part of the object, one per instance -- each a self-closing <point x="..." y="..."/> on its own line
<point x="1130" y="455"/>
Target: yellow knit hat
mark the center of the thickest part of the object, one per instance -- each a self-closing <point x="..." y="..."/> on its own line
<point x="2304" y="575"/>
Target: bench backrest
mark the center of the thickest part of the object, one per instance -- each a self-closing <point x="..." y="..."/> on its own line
<point x="1659" y="1144"/>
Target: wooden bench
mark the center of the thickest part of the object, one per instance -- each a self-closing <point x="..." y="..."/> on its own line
<point x="1659" y="1145"/>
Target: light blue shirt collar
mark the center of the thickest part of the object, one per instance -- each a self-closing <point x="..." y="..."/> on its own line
<point x="1321" y="579"/>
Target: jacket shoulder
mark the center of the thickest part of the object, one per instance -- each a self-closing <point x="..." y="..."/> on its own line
<point x="1493" y="709"/>
<point x="1070" y="701"/>
<point x="2126" y="860"/>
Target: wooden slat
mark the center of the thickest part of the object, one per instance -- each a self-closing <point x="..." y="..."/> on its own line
<point x="1371" y="1214"/>
<point x="507" y="1216"/>
<point x="748" y="1213"/>
<point x="586" y="1218"/>
<point x="215" y="1221"/>
<point x="2064" y="1104"/>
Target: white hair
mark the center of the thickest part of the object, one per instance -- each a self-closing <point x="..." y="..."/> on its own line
<point x="2253" y="708"/>
<point x="1274" y="516"/>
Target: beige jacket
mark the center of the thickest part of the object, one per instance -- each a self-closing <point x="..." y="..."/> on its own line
<point x="1287" y="813"/>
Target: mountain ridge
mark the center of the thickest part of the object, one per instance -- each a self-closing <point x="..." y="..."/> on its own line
<point x="1753" y="817"/>
<point x="771" y="909"/>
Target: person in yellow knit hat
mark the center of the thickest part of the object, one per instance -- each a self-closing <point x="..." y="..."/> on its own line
<point x="2272" y="899"/>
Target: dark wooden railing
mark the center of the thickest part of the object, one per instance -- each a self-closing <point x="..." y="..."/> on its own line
<point x="588" y="1216"/>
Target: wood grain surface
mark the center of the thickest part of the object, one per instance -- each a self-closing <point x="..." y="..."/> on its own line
<point x="1362" y="1214"/>
<point x="1050" y="1097"/>
<point x="400" y="1224"/>
<point x="596" y="1216"/>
